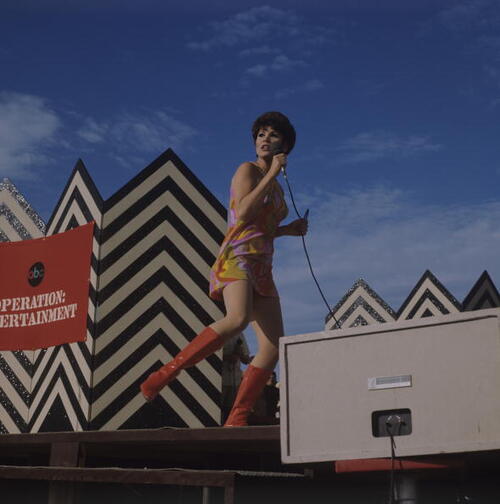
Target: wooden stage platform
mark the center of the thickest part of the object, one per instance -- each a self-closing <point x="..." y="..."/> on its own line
<point x="206" y="459"/>
<point x="210" y="465"/>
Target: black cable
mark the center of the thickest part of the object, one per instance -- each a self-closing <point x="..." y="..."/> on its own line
<point x="392" y="482"/>
<point x="392" y="486"/>
<point x="307" y="254"/>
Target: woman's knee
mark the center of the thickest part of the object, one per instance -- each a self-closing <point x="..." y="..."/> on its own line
<point x="270" y="351"/>
<point x="238" y="322"/>
<point x="265" y="359"/>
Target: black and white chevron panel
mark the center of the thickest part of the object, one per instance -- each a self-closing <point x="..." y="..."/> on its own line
<point x="160" y="235"/>
<point x="483" y="294"/>
<point x="428" y="298"/>
<point x="361" y="305"/>
<point x="62" y="375"/>
<point x="18" y="221"/>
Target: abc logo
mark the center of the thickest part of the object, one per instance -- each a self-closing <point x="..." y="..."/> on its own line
<point x="36" y="274"/>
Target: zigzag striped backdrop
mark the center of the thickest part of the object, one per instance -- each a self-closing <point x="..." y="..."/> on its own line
<point x="154" y="243"/>
<point x="62" y="375"/>
<point x="18" y="221"/>
<point x="160" y="235"/>
<point x="363" y="306"/>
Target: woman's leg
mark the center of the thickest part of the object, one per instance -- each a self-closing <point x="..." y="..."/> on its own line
<point x="268" y="325"/>
<point x="238" y="301"/>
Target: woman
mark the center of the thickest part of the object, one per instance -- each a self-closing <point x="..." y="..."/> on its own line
<point x="242" y="273"/>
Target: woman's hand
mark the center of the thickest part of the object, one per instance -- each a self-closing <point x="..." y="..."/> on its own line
<point x="278" y="162"/>
<point x="296" y="228"/>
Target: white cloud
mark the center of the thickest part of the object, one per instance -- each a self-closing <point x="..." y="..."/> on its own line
<point x="470" y="15"/>
<point x="278" y="28"/>
<point x="257" y="51"/>
<point x="492" y="71"/>
<point x="92" y="131"/>
<point x="388" y="239"/>
<point x="283" y="62"/>
<point x="257" y="70"/>
<point x="271" y="39"/>
<point x="313" y="85"/>
<point x="308" y="86"/>
<point x="370" y="87"/>
<point x="374" y="145"/>
<point x="27" y="131"/>
<point x="147" y="132"/>
<point x="475" y="24"/>
<point x="257" y="23"/>
<point x="32" y="136"/>
<point x="280" y="63"/>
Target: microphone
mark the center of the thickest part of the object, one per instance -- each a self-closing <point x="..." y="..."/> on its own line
<point x="276" y="149"/>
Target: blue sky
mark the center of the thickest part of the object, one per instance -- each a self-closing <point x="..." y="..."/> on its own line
<point x="396" y="108"/>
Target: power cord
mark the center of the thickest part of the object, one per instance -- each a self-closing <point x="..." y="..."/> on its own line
<point x="330" y="311"/>
<point x="392" y="481"/>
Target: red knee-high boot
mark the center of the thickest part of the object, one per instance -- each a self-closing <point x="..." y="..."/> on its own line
<point x="203" y="345"/>
<point x="252" y="384"/>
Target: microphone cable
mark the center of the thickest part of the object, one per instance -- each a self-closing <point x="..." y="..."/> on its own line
<point x="330" y="311"/>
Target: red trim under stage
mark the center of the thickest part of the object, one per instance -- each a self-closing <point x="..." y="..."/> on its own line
<point x="386" y="464"/>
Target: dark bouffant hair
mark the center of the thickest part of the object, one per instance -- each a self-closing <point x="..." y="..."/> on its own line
<point x="280" y="123"/>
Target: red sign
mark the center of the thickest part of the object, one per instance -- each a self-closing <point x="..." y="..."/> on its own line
<point x="44" y="290"/>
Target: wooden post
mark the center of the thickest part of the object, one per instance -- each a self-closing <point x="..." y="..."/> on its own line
<point x="64" y="454"/>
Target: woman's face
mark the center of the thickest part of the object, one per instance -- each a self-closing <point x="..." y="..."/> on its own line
<point x="268" y="142"/>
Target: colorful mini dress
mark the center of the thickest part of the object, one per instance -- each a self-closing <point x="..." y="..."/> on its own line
<point x="247" y="250"/>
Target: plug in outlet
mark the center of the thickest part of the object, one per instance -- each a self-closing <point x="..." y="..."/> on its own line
<point x="395" y="422"/>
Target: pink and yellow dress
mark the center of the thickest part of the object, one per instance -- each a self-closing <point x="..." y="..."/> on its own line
<point x="247" y="250"/>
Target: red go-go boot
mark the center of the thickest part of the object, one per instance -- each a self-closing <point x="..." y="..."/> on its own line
<point x="203" y="345"/>
<point x="252" y="384"/>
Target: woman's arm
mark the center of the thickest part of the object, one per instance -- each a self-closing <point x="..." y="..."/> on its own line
<point x="282" y="231"/>
<point x="296" y="228"/>
<point x="248" y="191"/>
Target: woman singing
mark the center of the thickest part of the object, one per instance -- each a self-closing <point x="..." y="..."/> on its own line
<point x="242" y="274"/>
